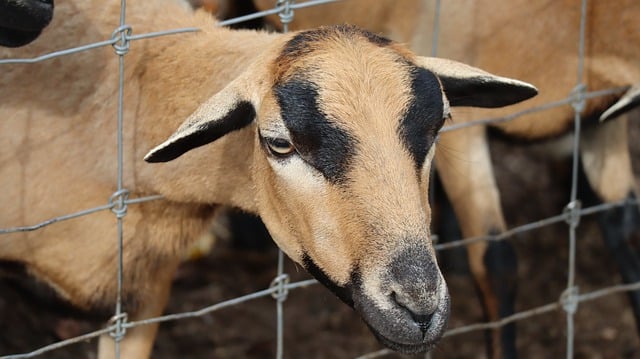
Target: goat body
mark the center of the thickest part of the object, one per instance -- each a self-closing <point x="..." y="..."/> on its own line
<point x="326" y="134"/>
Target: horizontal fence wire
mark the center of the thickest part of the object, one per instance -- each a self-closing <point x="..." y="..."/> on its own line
<point x="564" y="217"/>
<point x="86" y="212"/>
<point x="162" y="319"/>
<point x="123" y="36"/>
<point x="526" y="314"/>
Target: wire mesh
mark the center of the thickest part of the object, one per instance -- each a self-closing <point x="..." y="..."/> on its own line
<point x="568" y="301"/>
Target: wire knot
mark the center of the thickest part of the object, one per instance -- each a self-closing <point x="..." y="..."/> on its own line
<point x="120" y="37"/>
<point x="118" y="202"/>
<point x="572" y="213"/>
<point x="578" y="97"/>
<point x="286" y="12"/>
<point x="569" y="300"/>
<point x="280" y="283"/>
<point x="119" y="330"/>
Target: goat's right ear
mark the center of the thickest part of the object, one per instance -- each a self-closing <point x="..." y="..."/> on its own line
<point x="227" y="111"/>
<point x="466" y="85"/>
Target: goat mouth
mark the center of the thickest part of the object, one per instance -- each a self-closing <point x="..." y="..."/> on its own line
<point x="397" y="328"/>
<point x="430" y="336"/>
<point x="404" y="348"/>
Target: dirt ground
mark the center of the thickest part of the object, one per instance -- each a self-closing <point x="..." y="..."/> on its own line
<point x="317" y="325"/>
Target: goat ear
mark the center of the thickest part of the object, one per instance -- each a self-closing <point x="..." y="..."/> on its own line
<point x="465" y="85"/>
<point x="228" y="110"/>
<point x="629" y="101"/>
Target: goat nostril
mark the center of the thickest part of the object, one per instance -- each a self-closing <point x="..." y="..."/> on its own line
<point x="422" y="320"/>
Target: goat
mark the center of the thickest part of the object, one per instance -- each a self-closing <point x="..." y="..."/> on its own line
<point x="520" y="38"/>
<point x="326" y="134"/>
<point x="22" y="21"/>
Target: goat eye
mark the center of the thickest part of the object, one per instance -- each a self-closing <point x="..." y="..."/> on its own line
<point x="279" y="147"/>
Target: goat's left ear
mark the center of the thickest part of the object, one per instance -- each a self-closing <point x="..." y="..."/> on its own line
<point x="465" y="85"/>
<point x="229" y="110"/>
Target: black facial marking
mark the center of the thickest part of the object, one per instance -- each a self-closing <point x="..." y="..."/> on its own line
<point x="321" y="143"/>
<point x="241" y="115"/>
<point x="344" y="293"/>
<point x="424" y="117"/>
<point x="305" y="41"/>
<point x="375" y="39"/>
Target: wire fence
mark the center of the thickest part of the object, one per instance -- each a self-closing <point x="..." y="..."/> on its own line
<point x="280" y="286"/>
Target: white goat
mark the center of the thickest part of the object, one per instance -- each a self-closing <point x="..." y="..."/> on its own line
<point x="327" y="134"/>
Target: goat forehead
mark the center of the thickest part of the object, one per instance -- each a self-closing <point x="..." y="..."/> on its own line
<point x="342" y="91"/>
<point x="323" y="39"/>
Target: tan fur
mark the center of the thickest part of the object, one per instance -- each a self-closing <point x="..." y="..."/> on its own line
<point x="533" y="41"/>
<point x="59" y="156"/>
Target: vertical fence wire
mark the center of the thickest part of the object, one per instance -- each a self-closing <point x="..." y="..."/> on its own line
<point x="281" y="280"/>
<point x="286" y="16"/>
<point x="121" y="49"/>
<point x="570" y="303"/>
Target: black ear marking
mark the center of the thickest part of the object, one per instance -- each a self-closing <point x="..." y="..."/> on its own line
<point x="485" y="91"/>
<point x="16" y="38"/>
<point x="22" y="21"/>
<point x="202" y="133"/>
<point x="466" y="85"/>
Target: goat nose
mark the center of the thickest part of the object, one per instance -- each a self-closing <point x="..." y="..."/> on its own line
<point x="415" y="284"/>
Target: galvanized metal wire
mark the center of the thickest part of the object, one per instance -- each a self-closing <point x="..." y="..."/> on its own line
<point x="280" y="286"/>
<point x="570" y="302"/>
